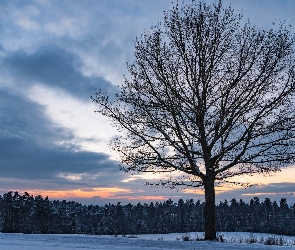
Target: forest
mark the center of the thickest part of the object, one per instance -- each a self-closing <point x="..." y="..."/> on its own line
<point x="28" y="214"/>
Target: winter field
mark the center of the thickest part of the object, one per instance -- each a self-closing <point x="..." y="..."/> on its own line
<point x="140" y="242"/>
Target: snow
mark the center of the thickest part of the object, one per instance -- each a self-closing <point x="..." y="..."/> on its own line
<point x="137" y="242"/>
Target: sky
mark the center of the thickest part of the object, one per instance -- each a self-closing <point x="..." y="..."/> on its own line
<point x="54" y="55"/>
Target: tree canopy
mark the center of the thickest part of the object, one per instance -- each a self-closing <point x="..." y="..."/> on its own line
<point x="209" y="95"/>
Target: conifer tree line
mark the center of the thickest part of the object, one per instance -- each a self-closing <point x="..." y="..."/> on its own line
<point x="28" y="214"/>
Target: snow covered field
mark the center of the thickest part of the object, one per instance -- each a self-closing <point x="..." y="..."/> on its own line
<point x="149" y="242"/>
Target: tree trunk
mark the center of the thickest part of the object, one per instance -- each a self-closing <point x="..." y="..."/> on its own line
<point x="209" y="212"/>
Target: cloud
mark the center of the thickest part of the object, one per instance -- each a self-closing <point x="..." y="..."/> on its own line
<point x="22" y="118"/>
<point x="25" y="159"/>
<point x="274" y="191"/>
<point x="53" y="67"/>
<point x="283" y="187"/>
<point x="28" y="149"/>
<point x="28" y="24"/>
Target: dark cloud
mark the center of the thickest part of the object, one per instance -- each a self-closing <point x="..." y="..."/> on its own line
<point x="284" y="187"/>
<point x="28" y="149"/>
<point x="54" y="67"/>
<point x="274" y="191"/>
<point x="22" y="118"/>
<point x="25" y="159"/>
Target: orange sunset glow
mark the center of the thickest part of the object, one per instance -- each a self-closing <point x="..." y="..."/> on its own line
<point x="127" y="194"/>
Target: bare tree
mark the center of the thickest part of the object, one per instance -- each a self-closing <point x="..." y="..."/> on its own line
<point x="208" y="95"/>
